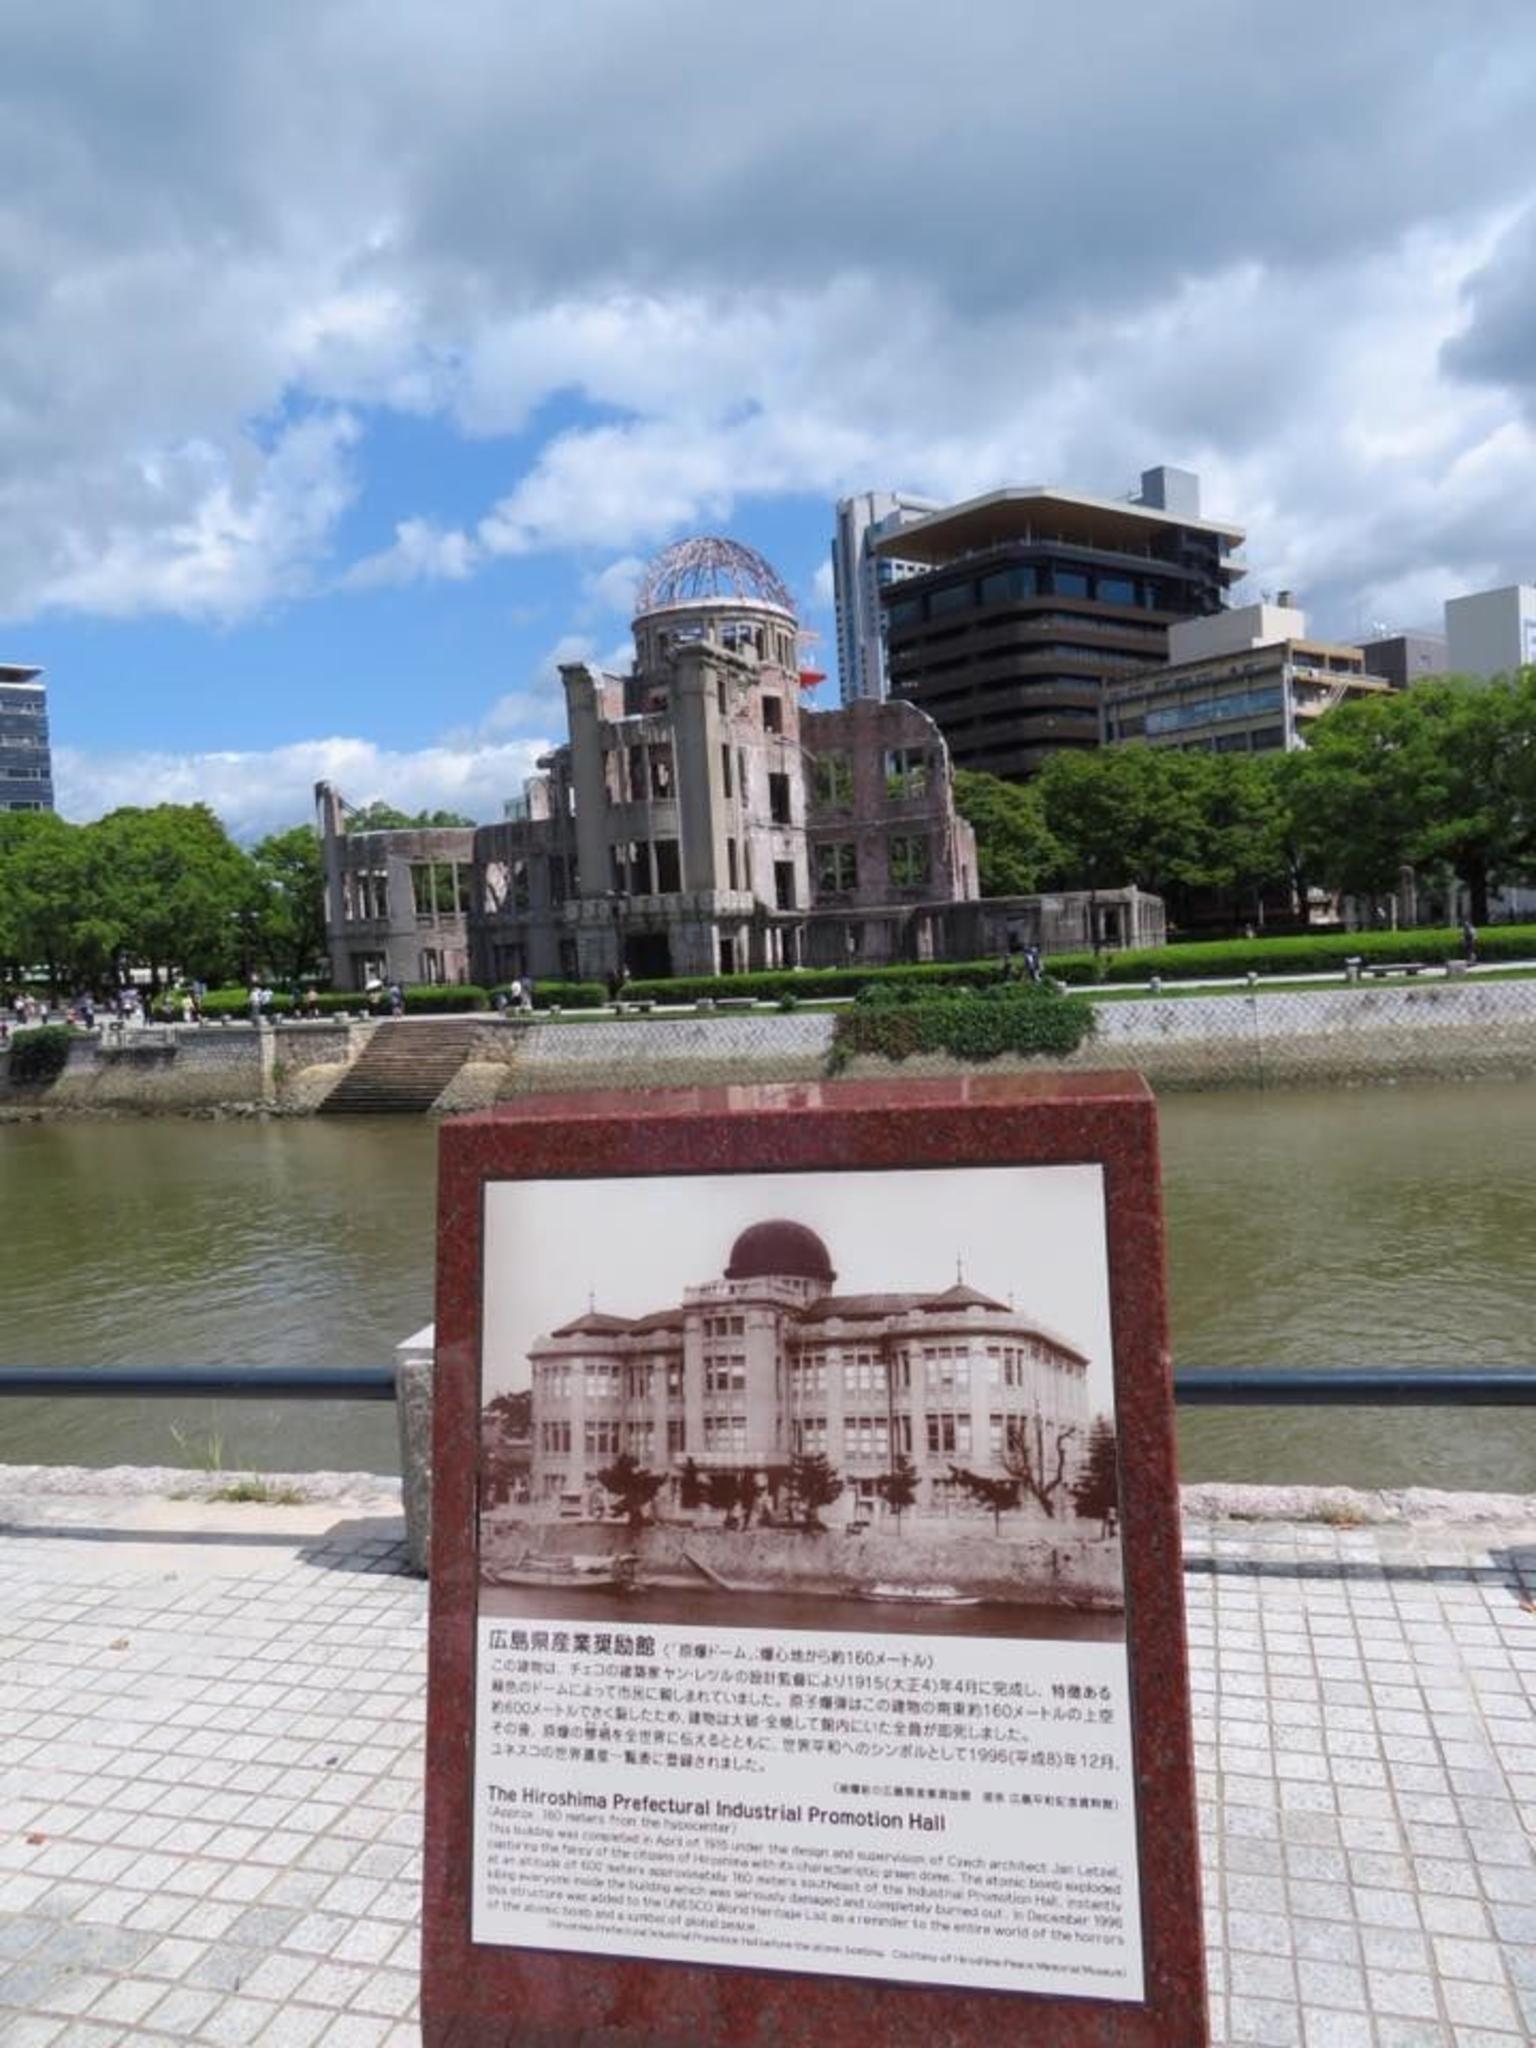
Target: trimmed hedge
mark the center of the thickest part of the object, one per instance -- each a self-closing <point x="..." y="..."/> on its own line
<point x="560" y="995"/>
<point x="426" y="999"/>
<point x="1306" y="953"/>
<point x="969" y="1024"/>
<point x="811" y="984"/>
<point x="39" y="1054"/>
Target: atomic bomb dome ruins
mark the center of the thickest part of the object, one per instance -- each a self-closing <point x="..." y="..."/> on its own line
<point x="698" y="820"/>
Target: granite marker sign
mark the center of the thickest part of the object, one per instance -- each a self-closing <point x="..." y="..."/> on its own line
<point x="825" y="1667"/>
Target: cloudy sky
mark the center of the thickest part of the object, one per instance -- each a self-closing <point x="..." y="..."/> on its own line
<point x="354" y="356"/>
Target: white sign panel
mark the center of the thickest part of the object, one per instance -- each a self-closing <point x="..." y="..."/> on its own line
<point x="801" y="1636"/>
<point x="930" y="1809"/>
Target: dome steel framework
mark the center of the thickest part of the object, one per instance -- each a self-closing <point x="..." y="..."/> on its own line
<point x="709" y="566"/>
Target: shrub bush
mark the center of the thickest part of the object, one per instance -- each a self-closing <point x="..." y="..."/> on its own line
<point x="437" y="999"/>
<point x="38" y="1055"/>
<point x="560" y="995"/>
<point x="968" y="1024"/>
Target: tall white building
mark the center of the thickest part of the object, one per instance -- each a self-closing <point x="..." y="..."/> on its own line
<point x="858" y="576"/>
<point x="1492" y="632"/>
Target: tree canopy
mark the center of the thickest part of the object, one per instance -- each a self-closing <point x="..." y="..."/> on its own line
<point x="1440" y="778"/>
<point x="381" y="817"/>
<point x="1016" y="852"/>
<point x="162" y="887"/>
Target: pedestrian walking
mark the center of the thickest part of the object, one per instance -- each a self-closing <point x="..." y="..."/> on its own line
<point x="1469" y="941"/>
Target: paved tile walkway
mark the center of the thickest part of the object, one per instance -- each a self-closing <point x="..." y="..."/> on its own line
<point x="210" y="1771"/>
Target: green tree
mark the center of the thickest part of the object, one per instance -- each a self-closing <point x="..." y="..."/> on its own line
<point x="175" y="888"/>
<point x="1353" y="817"/>
<point x="290" y="918"/>
<point x="898" y="1487"/>
<point x="634" y="1489"/>
<point x="1016" y="852"/>
<point x="1442" y="775"/>
<point x="1470" y="754"/>
<point x="382" y="817"/>
<point x="1243" y="846"/>
<point x="813" y="1485"/>
<point x="1126" y="815"/>
<point x="1096" y="1491"/>
<point x="997" y="1495"/>
<point x="51" y="910"/>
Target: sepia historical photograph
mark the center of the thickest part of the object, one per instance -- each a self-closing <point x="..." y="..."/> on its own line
<point x="879" y="1401"/>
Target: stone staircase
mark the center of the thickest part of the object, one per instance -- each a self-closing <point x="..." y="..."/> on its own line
<point x="403" y="1068"/>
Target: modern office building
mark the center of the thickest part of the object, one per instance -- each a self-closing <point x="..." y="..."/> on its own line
<point x="1491" y="632"/>
<point x="768" y="1362"/>
<point x="1031" y="600"/>
<point x="1405" y="658"/>
<point x="26" y="759"/>
<point x="859" y="576"/>
<point x="1244" y="681"/>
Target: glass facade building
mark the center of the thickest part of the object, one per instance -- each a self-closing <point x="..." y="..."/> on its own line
<point x="26" y="762"/>
<point x="1032" y="601"/>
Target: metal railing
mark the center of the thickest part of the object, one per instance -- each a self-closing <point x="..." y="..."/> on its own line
<point x="225" y="1382"/>
<point x="1375" y="1386"/>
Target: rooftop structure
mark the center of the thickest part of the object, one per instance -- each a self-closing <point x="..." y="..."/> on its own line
<point x="1491" y="632"/>
<point x="1406" y="658"/>
<point x="1032" y="599"/>
<point x="1244" y="681"/>
<point x="26" y="759"/>
<point x="711" y="570"/>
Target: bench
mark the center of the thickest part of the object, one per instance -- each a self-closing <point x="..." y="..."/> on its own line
<point x="1377" y="968"/>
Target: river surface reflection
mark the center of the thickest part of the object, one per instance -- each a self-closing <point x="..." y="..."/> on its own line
<point x="1377" y="1226"/>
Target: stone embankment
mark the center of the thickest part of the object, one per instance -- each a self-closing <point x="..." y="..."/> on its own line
<point x="1321" y="1036"/>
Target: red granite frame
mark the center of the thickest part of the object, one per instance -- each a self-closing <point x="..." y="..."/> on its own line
<point x="478" y="1996"/>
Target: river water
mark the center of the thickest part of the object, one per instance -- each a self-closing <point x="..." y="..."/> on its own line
<point x="1378" y="1226"/>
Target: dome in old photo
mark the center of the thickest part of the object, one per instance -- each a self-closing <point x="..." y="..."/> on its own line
<point x="779" y="1249"/>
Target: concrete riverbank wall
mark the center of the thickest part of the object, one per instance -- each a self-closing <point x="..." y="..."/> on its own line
<point x="1307" y="1037"/>
<point x="193" y="1068"/>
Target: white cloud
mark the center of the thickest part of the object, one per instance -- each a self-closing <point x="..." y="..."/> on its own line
<point x="203" y="532"/>
<point x="615" y="587"/>
<point x="823" y="591"/>
<point x="420" y="552"/>
<point x="215" y="220"/>
<point x="261" y="791"/>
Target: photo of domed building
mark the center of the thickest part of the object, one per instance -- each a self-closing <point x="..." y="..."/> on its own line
<point x="769" y="1363"/>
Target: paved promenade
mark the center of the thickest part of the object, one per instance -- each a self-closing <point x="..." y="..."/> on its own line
<point x="210" y="1731"/>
